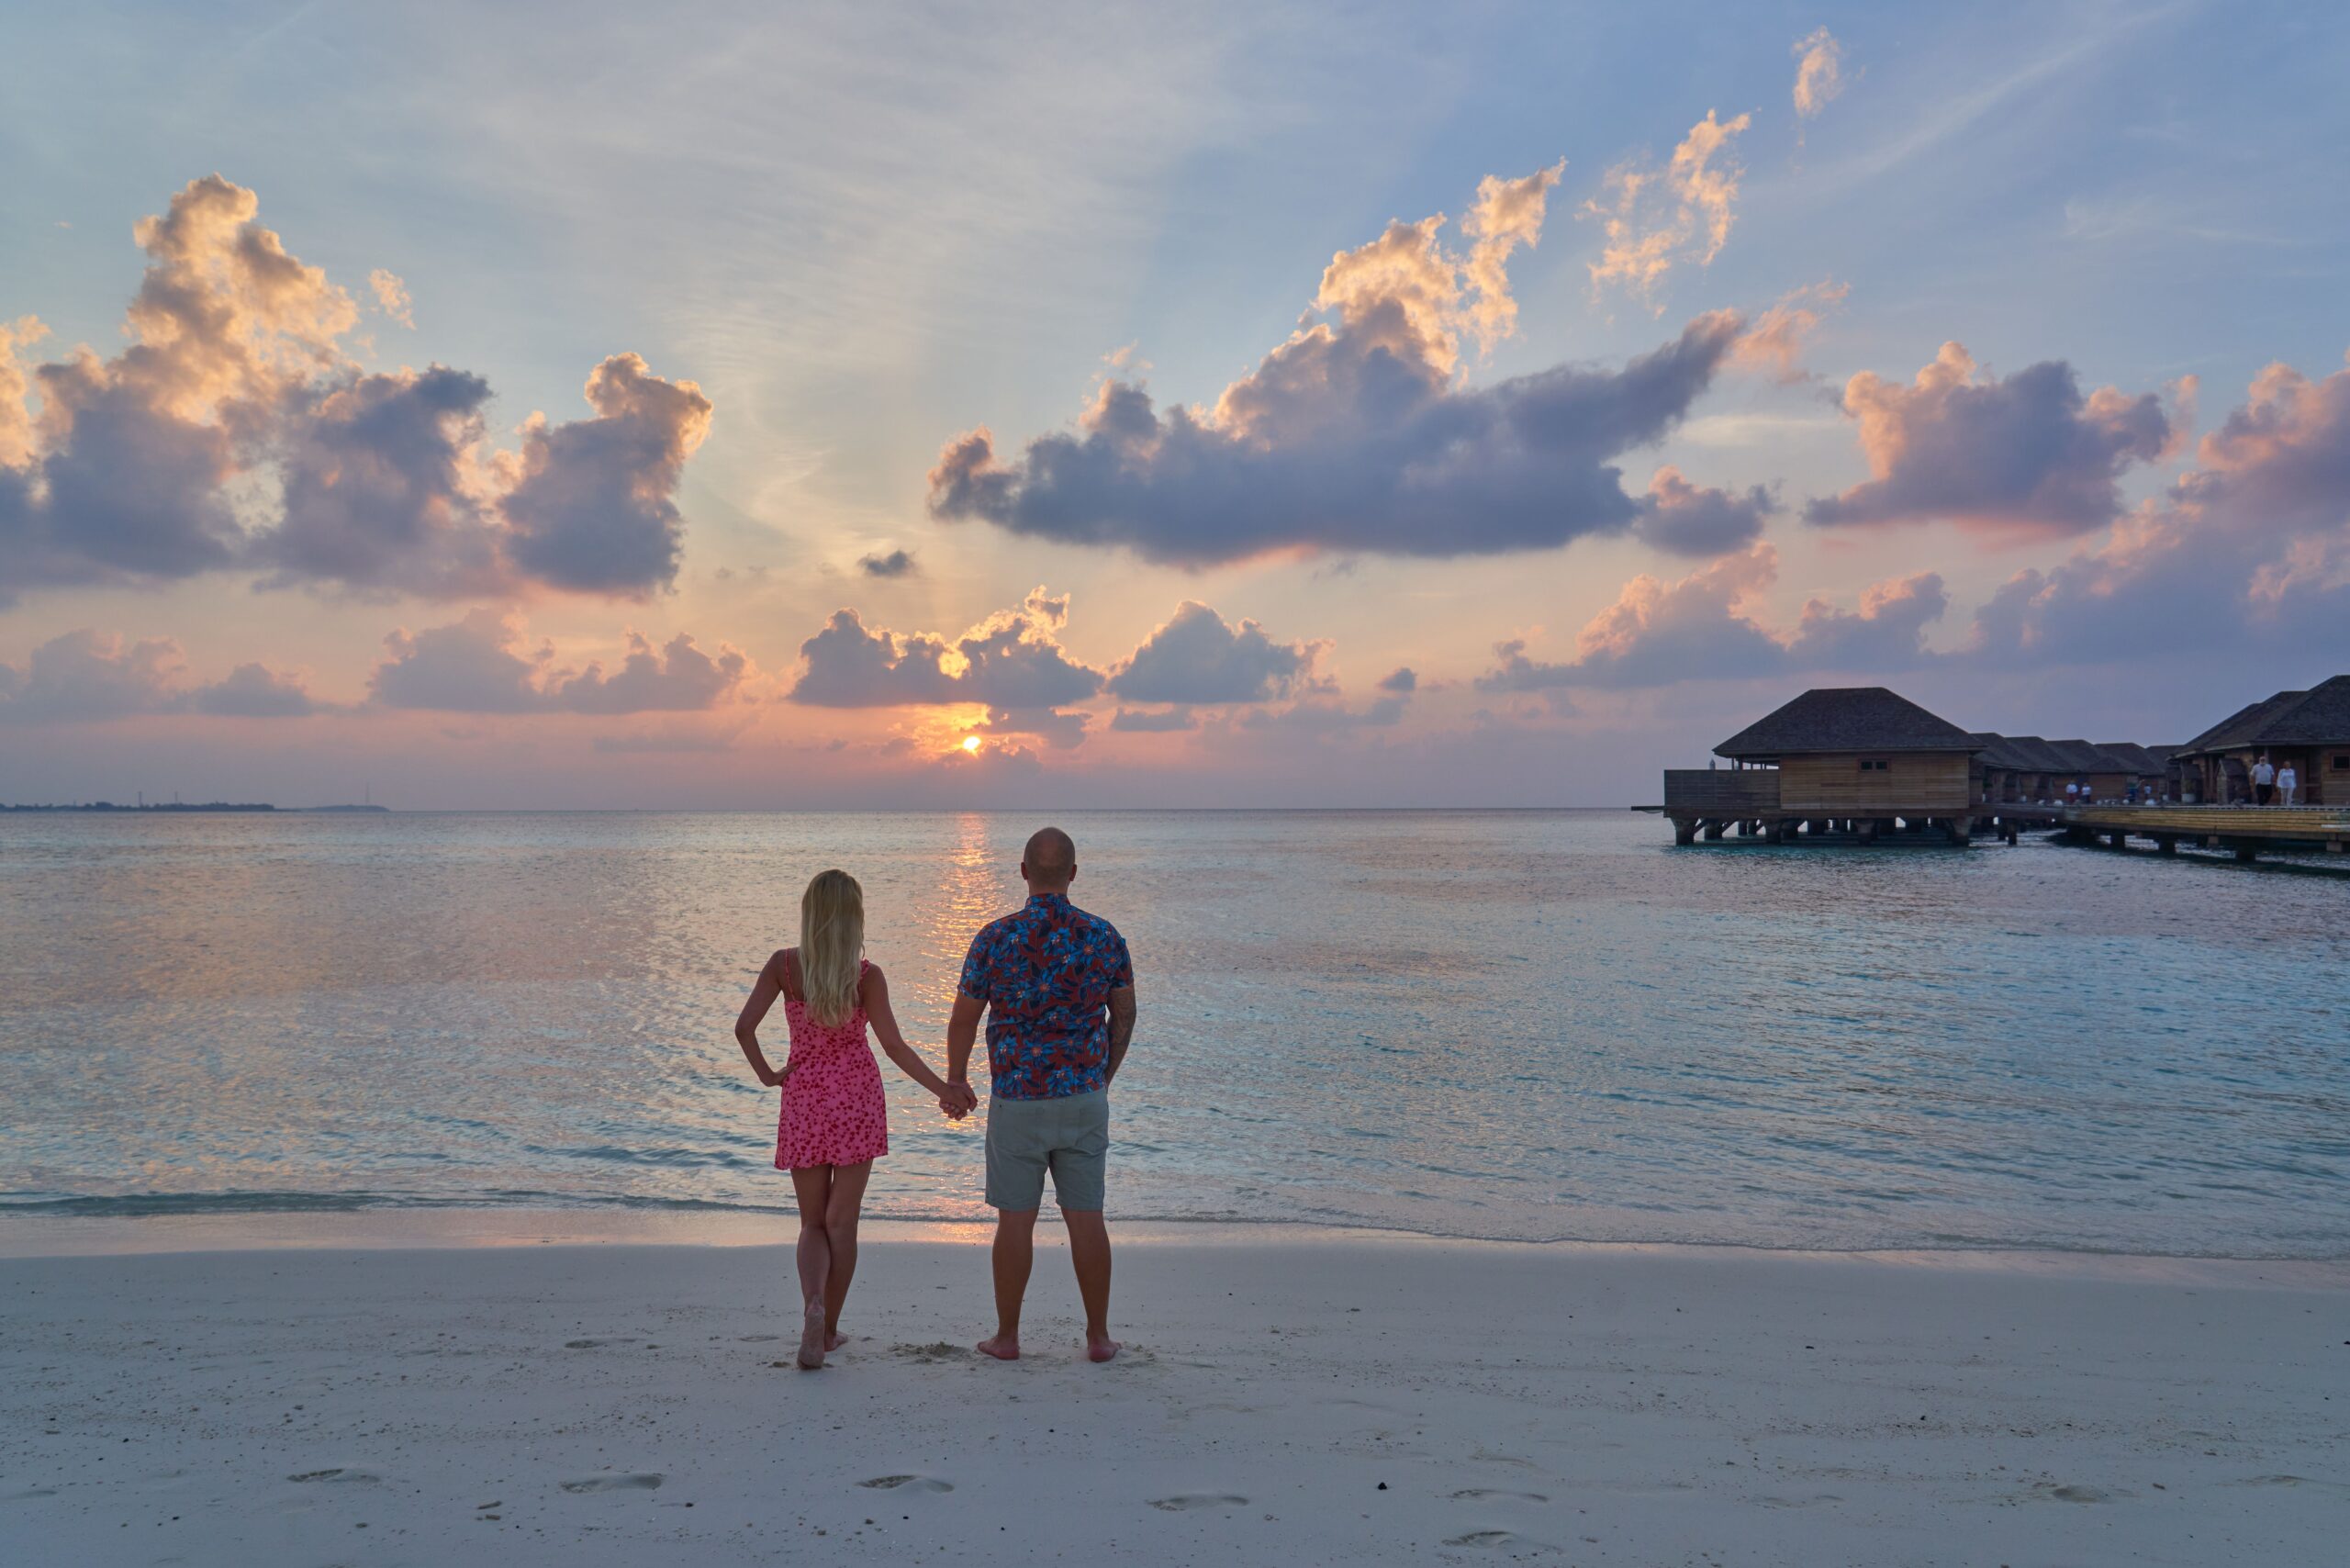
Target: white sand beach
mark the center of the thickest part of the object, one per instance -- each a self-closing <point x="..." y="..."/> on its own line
<point x="1290" y="1398"/>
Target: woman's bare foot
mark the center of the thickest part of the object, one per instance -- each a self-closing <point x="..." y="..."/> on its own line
<point x="1099" y="1347"/>
<point x="1003" y="1347"/>
<point x="834" y="1340"/>
<point x="812" y="1338"/>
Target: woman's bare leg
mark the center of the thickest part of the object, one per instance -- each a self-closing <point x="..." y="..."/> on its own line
<point x="841" y="1210"/>
<point x="813" y="1185"/>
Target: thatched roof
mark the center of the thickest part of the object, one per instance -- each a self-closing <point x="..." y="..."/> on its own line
<point x="1846" y="718"/>
<point x="2080" y="756"/>
<point x="2003" y="754"/>
<point x="2320" y="716"/>
<point x="2141" y="760"/>
<point x="2037" y="755"/>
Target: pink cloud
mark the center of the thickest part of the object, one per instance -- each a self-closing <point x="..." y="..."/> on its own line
<point x="2025" y="455"/>
<point x="160" y="463"/>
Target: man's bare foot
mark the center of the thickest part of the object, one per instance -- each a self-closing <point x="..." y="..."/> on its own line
<point x="1099" y="1347"/>
<point x="812" y="1338"/>
<point x="1003" y="1347"/>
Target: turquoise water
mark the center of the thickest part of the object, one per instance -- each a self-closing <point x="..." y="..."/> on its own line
<point x="1508" y="1025"/>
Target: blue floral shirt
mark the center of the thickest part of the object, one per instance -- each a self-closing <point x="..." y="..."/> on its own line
<point x="1047" y="973"/>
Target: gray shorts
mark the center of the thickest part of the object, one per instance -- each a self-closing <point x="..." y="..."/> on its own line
<point x="1069" y="1136"/>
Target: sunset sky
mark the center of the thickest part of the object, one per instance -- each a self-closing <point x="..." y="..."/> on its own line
<point x="1094" y="406"/>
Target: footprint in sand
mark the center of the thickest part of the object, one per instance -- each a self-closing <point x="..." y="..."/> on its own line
<point x="643" y="1480"/>
<point x="756" y="1338"/>
<point x="1487" y="1537"/>
<point x="939" y="1350"/>
<point x="339" y="1475"/>
<point x="593" y="1344"/>
<point x="1191" y="1500"/>
<point x="908" y="1483"/>
<point x="2050" y="1492"/>
<point x="1475" y="1493"/>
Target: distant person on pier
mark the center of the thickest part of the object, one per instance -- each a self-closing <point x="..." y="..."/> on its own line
<point x="2264" y="781"/>
<point x="2072" y="793"/>
<point x="2287" y="782"/>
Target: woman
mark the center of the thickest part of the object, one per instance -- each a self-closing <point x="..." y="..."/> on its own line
<point x="835" y="1123"/>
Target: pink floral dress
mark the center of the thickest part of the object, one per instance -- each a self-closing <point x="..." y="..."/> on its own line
<point x="834" y="1113"/>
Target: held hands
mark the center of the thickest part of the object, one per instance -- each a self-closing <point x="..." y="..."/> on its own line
<point x="958" y="1101"/>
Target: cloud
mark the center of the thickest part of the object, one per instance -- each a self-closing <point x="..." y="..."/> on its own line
<point x="591" y="509"/>
<point x="391" y="297"/>
<point x="1819" y="72"/>
<point x="1685" y="520"/>
<point x="1652" y="220"/>
<point x="896" y="564"/>
<point x="2025" y="455"/>
<point x="1700" y="627"/>
<point x="380" y="487"/>
<point x="1775" y="344"/>
<point x="676" y="678"/>
<point x="1356" y="434"/>
<point x="1059" y="729"/>
<point x="1011" y="661"/>
<point x="1144" y="721"/>
<point x="1404" y="682"/>
<point x="483" y="664"/>
<point x="88" y="676"/>
<point x="15" y="419"/>
<point x="468" y="667"/>
<point x="236" y="433"/>
<point x="1197" y="658"/>
<point x="253" y="692"/>
<point x="2251" y="547"/>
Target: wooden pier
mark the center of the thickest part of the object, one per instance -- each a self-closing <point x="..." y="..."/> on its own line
<point x="2246" y="830"/>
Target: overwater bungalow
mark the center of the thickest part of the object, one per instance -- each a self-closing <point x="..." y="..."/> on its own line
<point x="2100" y="774"/>
<point x="2309" y="731"/>
<point x="2007" y="771"/>
<point x="1836" y="755"/>
<point x="2147" y="767"/>
<point x="2040" y="780"/>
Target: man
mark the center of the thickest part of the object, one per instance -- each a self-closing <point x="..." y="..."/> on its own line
<point x="1057" y="987"/>
<point x="2263" y="780"/>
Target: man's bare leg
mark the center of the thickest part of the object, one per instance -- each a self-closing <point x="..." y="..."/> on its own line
<point x="1014" y="1254"/>
<point x="1088" y="1249"/>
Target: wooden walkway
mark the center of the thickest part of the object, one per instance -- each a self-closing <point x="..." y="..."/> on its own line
<point x="2247" y="830"/>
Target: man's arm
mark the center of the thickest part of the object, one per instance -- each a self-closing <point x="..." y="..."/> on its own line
<point x="962" y="1030"/>
<point x="1122" y="1030"/>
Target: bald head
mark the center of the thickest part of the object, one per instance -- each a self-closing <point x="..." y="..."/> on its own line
<point x="1049" y="862"/>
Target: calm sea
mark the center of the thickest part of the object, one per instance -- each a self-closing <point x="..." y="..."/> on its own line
<point x="1506" y="1025"/>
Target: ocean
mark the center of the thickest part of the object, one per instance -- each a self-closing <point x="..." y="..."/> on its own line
<point x="1508" y="1024"/>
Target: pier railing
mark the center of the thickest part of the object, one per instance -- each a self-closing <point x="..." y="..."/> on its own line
<point x="1721" y="792"/>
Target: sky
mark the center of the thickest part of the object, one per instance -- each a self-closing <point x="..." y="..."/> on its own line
<point x="1092" y="405"/>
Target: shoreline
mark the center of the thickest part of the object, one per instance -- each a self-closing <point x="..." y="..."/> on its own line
<point x="489" y="1227"/>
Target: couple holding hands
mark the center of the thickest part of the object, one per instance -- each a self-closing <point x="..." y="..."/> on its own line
<point x="1056" y="989"/>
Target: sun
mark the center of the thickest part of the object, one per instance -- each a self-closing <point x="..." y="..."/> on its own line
<point x="971" y="744"/>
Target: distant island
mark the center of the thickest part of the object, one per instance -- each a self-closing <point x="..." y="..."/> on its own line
<point x="206" y="806"/>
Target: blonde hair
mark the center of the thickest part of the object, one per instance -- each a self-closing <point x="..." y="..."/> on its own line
<point x="831" y="943"/>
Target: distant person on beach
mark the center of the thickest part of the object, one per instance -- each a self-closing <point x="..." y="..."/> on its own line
<point x="833" y="1123"/>
<point x="2287" y="782"/>
<point x="1058" y="989"/>
<point x="2264" y="781"/>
